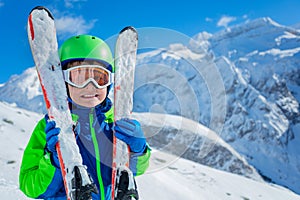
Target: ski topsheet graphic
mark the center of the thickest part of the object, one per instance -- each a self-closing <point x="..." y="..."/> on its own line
<point x="43" y="43"/>
<point x="123" y="183"/>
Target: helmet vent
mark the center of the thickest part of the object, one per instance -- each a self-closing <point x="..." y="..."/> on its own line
<point x="93" y="37"/>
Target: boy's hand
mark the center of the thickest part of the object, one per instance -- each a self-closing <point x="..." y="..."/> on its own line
<point x="130" y="131"/>
<point x="51" y="136"/>
<point x="51" y="139"/>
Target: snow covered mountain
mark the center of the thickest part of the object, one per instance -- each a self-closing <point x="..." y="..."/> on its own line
<point x="169" y="177"/>
<point x="24" y="91"/>
<point x="242" y="83"/>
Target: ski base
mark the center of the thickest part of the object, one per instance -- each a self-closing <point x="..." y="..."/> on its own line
<point x="124" y="185"/>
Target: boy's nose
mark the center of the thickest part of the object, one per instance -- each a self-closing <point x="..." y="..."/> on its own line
<point x="90" y="85"/>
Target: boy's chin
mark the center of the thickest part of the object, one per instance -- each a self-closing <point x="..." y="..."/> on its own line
<point x="90" y="102"/>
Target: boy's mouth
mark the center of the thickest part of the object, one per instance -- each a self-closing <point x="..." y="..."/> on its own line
<point x="89" y="95"/>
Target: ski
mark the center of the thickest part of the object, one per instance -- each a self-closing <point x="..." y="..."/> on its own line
<point x="43" y="43"/>
<point x="123" y="183"/>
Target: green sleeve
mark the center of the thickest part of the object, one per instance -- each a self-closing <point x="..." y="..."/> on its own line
<point x="143" y="162"/>
<point x="36" y="172"/>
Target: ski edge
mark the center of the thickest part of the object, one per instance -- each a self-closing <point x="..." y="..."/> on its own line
<point x="67" y="182"/>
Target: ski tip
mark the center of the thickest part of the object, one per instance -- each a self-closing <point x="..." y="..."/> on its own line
<point x="128" y="28"/>
<point x="42" y="8"/>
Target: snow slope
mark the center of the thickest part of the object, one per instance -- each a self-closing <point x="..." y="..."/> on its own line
<point x="15" y="128"/>
<point x="187" y="180"/>
<point x="179" y="179"/>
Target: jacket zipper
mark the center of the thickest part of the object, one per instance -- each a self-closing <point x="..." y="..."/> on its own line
<point x="97" y="153"/>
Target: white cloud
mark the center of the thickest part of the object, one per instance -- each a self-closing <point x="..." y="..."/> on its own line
<point x="225" y="20"/>
<point x="69" y="3"/>
<point x="207" y="19"/>
<point x="69" y="26"/>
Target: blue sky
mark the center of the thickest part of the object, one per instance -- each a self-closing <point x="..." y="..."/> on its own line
<point x="106" y="18"/>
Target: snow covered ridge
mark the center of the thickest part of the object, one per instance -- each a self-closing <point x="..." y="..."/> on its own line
<point x="188" y="139"/>
<point x="242" y="83"/>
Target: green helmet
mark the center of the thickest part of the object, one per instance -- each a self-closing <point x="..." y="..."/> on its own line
<point x="85" y="47"/>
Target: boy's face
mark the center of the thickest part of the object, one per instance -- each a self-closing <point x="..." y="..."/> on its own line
<point x="89" y="96"/>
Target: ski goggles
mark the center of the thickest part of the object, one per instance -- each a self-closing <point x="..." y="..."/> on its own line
<point x="80" y="76"/>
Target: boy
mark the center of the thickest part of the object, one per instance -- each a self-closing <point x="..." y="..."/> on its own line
<point x="87" y="63"/>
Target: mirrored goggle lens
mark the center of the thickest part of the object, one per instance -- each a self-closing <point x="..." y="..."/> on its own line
<point x="80" y="76"/>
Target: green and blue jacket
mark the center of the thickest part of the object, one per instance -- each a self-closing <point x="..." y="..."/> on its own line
<point x="40" y="179"/>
